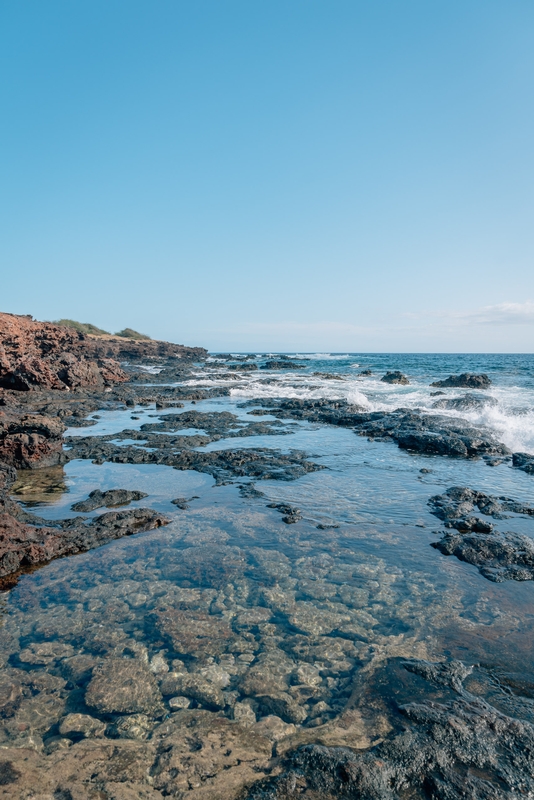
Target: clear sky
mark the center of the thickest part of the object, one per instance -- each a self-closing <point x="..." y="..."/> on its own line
<point x="272" y="175"/>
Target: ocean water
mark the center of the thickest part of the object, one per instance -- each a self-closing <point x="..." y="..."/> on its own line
<point x="332" y="602"/>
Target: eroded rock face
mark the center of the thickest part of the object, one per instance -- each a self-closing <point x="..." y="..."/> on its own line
<point x="37" y="355"/>
<point x="466" y="380"/>
<point x="31" y="441"/>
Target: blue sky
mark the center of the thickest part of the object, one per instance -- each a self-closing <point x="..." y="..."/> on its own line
<point x="294" y="175"/>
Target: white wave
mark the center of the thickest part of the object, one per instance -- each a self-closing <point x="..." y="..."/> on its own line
<point x="323" y="356"/>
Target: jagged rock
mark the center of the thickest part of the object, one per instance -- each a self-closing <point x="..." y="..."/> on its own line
<point x="289" y="363"/>
<point x="455" y="748"/>
<point x="412" y="430"/>
<point x="458" y="503"/>
<point x="524" y="462"/>
<point x="26" y="545"/>
<point x="109" y="499"/>
<point x="291" y="514"/>
<point x="31" y="441"/>
<point x="499" y="556"/>
<point x="42" y="354"/>
<point x="466" y="380"/>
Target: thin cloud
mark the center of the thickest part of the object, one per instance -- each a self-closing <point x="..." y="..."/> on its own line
<point x="499" y="314"/>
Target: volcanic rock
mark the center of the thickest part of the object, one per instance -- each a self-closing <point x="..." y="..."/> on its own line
<point x="395" y="377"/>
<point x="109" y="499"/>
<point x="466" y="380"/>
<point x="524" y="462"/>
<point x="31" y="441"/>
<point x="27" y="545"/>
<point x="455" y="748"/>
<point x="285" y="364"/>
<point x="498" y="556"/>
<point x="469" y="402"/>
<point x="37" y="355"/>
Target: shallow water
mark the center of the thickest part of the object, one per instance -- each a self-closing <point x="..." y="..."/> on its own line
<point x="303" y="612"/>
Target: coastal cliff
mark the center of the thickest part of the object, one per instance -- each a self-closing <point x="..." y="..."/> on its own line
<point x="44" y="355"/>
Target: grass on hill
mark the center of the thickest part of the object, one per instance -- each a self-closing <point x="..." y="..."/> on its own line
<point x="88" y="327"/>
<point x="129" y="333"/>
<point x="83" y="327"/>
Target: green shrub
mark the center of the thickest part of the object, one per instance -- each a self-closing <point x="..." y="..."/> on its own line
<point x="83" y="327"/>
<point x="129" y="333"/>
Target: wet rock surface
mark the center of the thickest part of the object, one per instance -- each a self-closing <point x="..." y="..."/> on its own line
<point x="414" y="431"/>
<point x="395" y="377"/>
<point x="158" y="447"/>
<point x="229" y="655"/>
<point x="290" y="363"/>
<point x="459" y="502"/>
<point x="466" y="380"/>
<point x="499" y="555"/>
<point x="23" y="545"/>
<point x="28" y="441"/>
<point x="524" y="462"/>
<point x="469" y="402"/>
<point x="109" y="499"/>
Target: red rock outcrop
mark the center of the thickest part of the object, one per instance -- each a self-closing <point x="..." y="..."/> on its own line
<point x="31" y="441"/>
<point x="36" y="355"/>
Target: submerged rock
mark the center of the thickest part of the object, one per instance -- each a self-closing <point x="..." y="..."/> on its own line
<point x="291" y="514"/>
<point x="123" y="686"/>
<point x="466" y="380"/>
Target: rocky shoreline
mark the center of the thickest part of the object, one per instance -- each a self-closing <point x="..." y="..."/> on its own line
<point x="187" y="665"/>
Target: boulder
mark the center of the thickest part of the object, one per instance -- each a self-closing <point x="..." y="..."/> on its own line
<point x="395" y="377"/>
<point x="466" y="380"/>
